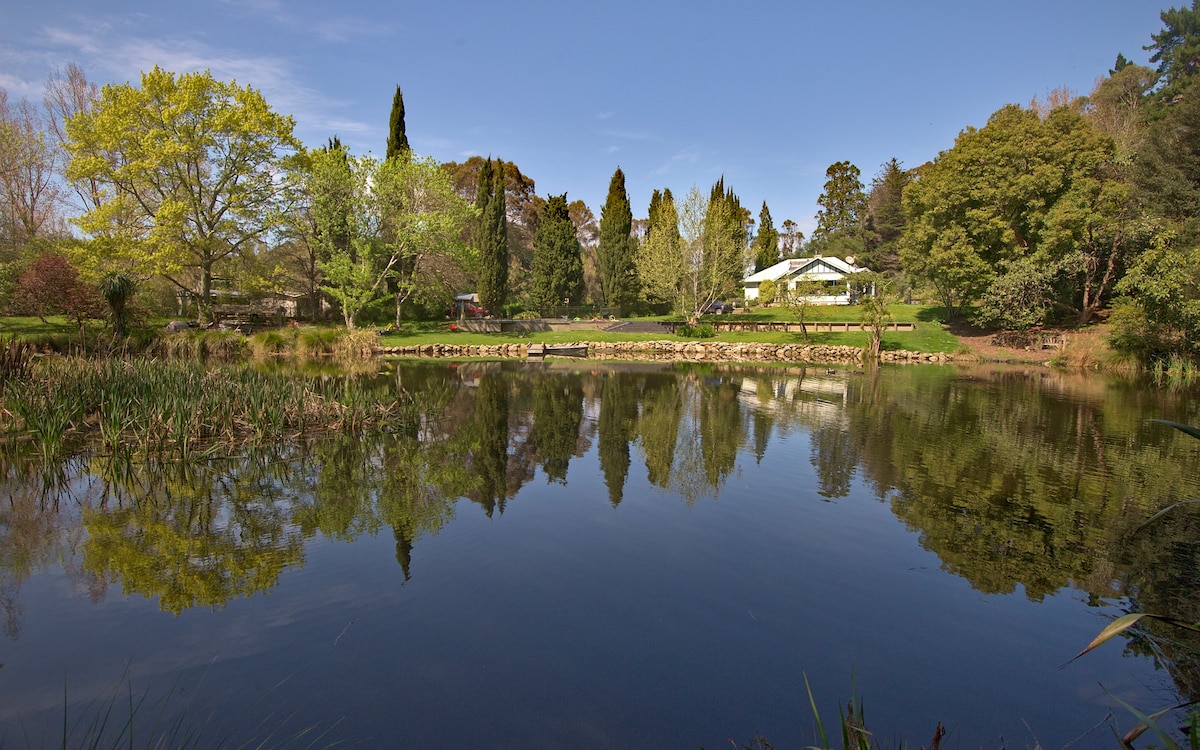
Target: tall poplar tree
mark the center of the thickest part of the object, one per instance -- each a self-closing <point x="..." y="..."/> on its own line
<point x="491" y="236"/>
<point x="557" y="258"/>
<point x="618" y="274"/>
<point x="766" y="244"/>
<point x="397" y="142"/>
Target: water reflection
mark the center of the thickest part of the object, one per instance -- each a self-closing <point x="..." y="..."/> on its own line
<point x="1017" y="480"/>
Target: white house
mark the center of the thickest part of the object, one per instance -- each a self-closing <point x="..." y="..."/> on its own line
<point x="832" y="272"/>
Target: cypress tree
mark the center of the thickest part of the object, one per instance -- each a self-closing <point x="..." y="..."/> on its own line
<point x="652" y="212"/>
<point x="618" y="274"/>
<point x="491" y="236"/>
<point x="766" y="244"/>
<point x="397" y="142"/>
<point x="557" y="258"/>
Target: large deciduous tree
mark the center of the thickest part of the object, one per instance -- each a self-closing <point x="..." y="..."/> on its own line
<point x="188" y="169"/>
<point x="491" y="236"/>
<point x="557" y="262"/>
<point x="617" y="249"/>
<point x="1038" y="203"/>
<point x="29" y="192"/>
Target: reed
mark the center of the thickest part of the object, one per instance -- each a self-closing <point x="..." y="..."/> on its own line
<point x="162" y="407"/>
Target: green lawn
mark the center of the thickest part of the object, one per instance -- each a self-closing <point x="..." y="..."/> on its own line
<point x="929" y="335"/>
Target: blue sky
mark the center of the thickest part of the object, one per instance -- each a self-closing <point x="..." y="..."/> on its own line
<point x="676" y="93"/>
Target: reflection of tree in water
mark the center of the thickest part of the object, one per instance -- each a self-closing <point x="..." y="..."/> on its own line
<point x="658" y="426"/>
<point x="557" y="414"/>
<point x="618" y="423"/>
<point x="488" y="457"/>
<point x="834" y="458"/>
<point x="194" y="534"/>
<point x="1160" y="567"/>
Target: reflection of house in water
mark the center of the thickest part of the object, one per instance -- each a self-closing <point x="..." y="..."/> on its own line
<point x="821" y="399"/>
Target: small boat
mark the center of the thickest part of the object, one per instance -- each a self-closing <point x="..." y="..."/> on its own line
<point x="558" y="350"/>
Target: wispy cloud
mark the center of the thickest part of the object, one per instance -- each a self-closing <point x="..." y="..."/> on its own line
<point x="339" y="28"/>
<point x="628" y="135"/>
<point x="680" y="158"/>
<point x="118" y="56"/>
<point x="604" y="115"/>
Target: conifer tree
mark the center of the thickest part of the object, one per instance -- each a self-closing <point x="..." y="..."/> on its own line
<point x="491" y="236"/>
<point x="397" y="142"/>
<point x="766" y="244"/>
<point x="618" y="274"/>
<point x="557" y="258"/>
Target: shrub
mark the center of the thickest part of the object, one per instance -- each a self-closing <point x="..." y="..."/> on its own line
<point x="767" y="292"/>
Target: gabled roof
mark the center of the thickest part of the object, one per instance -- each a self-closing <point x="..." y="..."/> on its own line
<point x="804" y="266"/>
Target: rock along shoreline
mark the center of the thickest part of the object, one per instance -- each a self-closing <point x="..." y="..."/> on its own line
<point x="716" y="351"/>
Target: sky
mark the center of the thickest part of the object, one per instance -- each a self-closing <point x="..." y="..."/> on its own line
<point x="674" y="92"/>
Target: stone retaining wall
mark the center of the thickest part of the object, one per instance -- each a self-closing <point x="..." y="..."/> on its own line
<point x="717" y="351"/>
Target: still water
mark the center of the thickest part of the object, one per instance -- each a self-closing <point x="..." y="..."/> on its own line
<point x="624" y="555"/>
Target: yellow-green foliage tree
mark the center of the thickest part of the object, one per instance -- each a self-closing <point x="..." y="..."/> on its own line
<point x="187" y="172"/>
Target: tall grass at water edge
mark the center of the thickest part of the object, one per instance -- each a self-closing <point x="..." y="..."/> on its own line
<point x="159" y="406"/>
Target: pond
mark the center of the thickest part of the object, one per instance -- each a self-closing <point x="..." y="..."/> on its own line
<point x="620" y="555"/>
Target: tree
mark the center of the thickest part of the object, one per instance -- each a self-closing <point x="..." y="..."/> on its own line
<point x="491" y="236"/>
<point x="29" y="192"/>
<point x="557" y="264"/>
<point x="718" y="254"/>
<point x="1176" y="49"/>
<point x="792" y="239"/>
<point x="51" y="286"/>
<point x="69" y="93"/>
<point x="885" y="218"/>
<point x="1118" y="108"/>
<point x="397" y="142"/>
<point x="766" y="244"/>
<point x="188" y="168"/>
<point x="843" y="203"/>
<point x="800" y="298"/>
<point x="660" y="257"/>
<point x="523" y="207"/>
<point x="1022" y="187"/>
<point x="405" y="225"/>
<point x="875" y="313"/>
<point x="616" y="252"/>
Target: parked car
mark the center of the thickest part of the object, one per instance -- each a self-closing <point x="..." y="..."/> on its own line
<point x="717" y="308"/>
<point x="470" y="310"/>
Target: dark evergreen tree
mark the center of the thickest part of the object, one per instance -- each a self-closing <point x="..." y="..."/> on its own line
<point x="618" y="274"/>
<point x="885" y="218"/>
<point x="397" y="142"/>
<point x="557" y="258"/>
<point x="843" y="202"/>
<point x="1177" y="50"/>
<point x="491" y="236"/>
<point x="766" y="244"/>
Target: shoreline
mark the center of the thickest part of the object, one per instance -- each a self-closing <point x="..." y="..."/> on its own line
<point x="717" y="351"/>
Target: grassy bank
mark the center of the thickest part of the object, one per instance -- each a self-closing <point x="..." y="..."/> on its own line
<point x="58" y="334"/>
